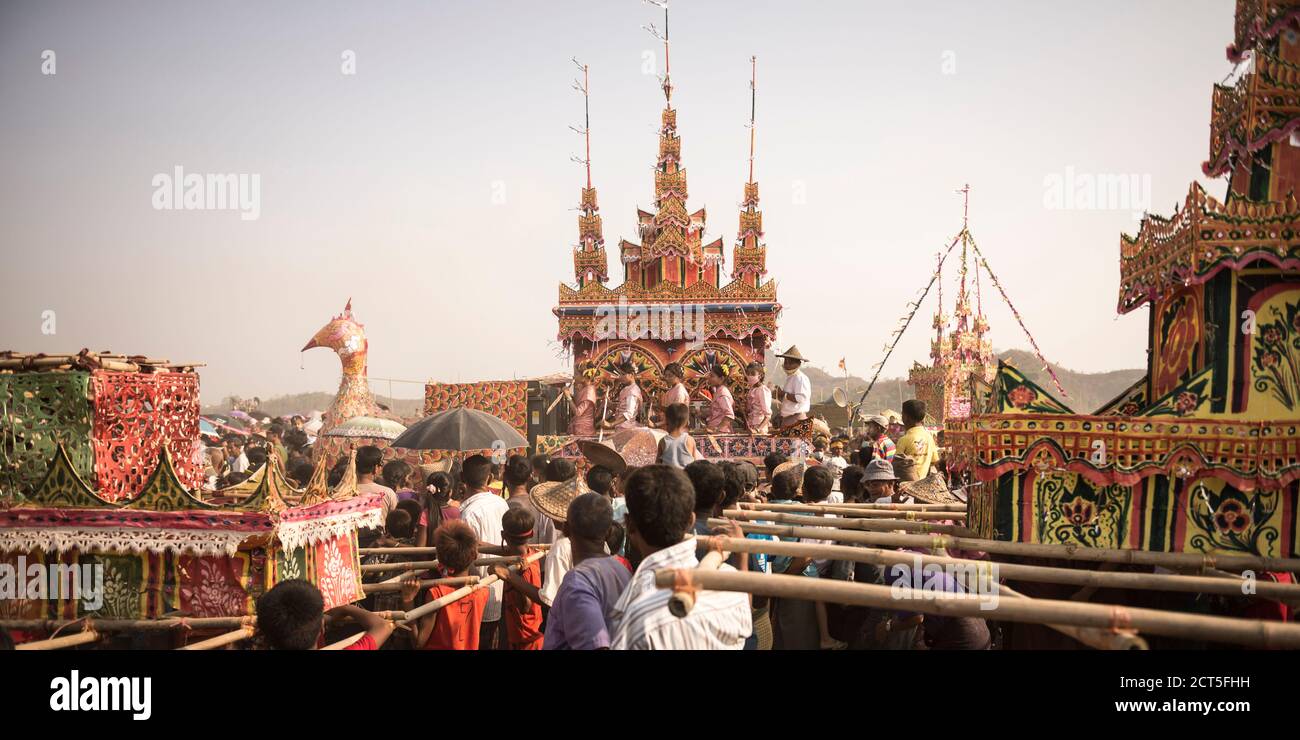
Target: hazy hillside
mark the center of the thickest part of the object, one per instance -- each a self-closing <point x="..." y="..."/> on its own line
<point x="1086" y="391"/>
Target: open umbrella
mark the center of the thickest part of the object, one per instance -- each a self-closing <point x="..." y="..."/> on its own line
<point x="367" y="426"/>
<point x="460" y="430"/>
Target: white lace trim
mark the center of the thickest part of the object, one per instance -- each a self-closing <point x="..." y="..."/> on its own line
<point x="311" y="531"/>
<point x="89" y="539"/>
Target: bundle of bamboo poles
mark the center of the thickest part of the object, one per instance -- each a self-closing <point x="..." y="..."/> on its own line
<point x="1231" y="586"/>
<point x="403" y="550"/>
<point x="389" y="587"/>
<point x="870" y="525"/>
<point x="427" y="564"/>
<point x="938" y="542"/>
<point x="441" y="603"/>
<point x="1253" y="633"/>
<point x="683" y="600"/>
<point x="862" y="511"/>
<point x="853" y="507"/>
<point x="124" y="625"/>
<point x="88" y="360"/>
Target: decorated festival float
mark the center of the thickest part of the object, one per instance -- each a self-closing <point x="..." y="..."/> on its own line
<point x="1203" y="454"/>
<point x="1166" y="518"/>
<point x="102" y="476"/>
<point x="672" y="306"/>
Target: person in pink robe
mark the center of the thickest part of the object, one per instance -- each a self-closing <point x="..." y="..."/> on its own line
<point x="722" y="409"/>
<point x="583" y="423"/>
<point x="676" y="393"/>
<point x="630" y="401"/>
<point x="758" y="401"/>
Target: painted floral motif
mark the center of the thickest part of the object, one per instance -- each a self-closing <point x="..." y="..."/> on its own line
<point x="1016" y="393"/>
<point x="335" y="577"/>
<point x="122" y="584"/>
<point x="212" y="588"/>
<point x="1080" y="513"/>
<point x="1231" y="517"/>
<point x="1276" y="359"/>
<point x="1185" y="399"/>
<point x="1071" y="511"/>
<point x="1021" y="396"/>
<point x="1225" y="519"/>
<point x="1129" y="409"/>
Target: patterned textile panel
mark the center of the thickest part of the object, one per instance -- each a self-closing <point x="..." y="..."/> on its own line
<point x="135" y="415"/>
<point x="1067" y="509"/>
<point x="505" y="399"/>
<point x="149" y="585"/>
<point x="40" y="411"/>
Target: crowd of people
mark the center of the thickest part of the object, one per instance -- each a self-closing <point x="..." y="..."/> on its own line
<point x="587" y="547"/>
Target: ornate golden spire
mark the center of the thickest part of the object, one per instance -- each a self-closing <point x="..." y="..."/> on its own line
<point x="589" y="261"/>
<point x="749" y="261"/>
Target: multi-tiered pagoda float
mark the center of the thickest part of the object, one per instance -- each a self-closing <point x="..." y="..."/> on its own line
<point x="672" y="305"/>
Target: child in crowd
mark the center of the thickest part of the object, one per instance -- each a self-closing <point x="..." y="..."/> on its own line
<point x="602" y="480"/>
<point x="291" y="617"/>
<point x="456" y="626"/>
<point x="522" y="606"/>
<point x="678" y="447"/>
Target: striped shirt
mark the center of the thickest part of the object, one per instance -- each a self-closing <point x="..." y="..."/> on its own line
<point x="721" y="620"/>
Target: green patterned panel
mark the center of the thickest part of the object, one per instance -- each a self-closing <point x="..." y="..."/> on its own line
<point x="1017" y="394"/>
<point x="290" y="565"/>
<point x="39" y="411"/>
<point x="62" y="487"/>
<point x="165" y="492"/>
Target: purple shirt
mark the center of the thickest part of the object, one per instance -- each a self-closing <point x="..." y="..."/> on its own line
<point x="579" y="618"/>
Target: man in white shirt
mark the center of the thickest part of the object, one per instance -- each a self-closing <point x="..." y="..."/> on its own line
<point x="660" y="518"/>
<point x="796" y="395"/>
<point x="236" y="460"/>
<point x="483" y="511"/>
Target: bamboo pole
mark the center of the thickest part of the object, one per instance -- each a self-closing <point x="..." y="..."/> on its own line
<point x="124" y="625"/>
<point x="1287" y="592"/>
<point x="1025" y="549"/>
<point x="345" y="642"/>
<point x="482" y="550"/>
<point x="854" y="507"/>
<point x="427" y="564"/>
<point x="845" y="511"/>
<point x="870" y="525"/>
<point x="440" y="603"/>
<point x="1254" y="633"/>
<point x="58" y="643"/>
<point x="682" y="601"/>
<point x="378" y="588"/>
<point x="1090" y="636"/>
<point x="229" y="638"/>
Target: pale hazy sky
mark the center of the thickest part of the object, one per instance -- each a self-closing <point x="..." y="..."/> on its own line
<point x="380" y="185"/>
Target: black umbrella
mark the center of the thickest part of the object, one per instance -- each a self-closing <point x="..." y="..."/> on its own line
<point x="460" y="430"/>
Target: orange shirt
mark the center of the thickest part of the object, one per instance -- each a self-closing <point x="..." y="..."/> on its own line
<point x="524" y="628"/>
<point x="455" y="626"/>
